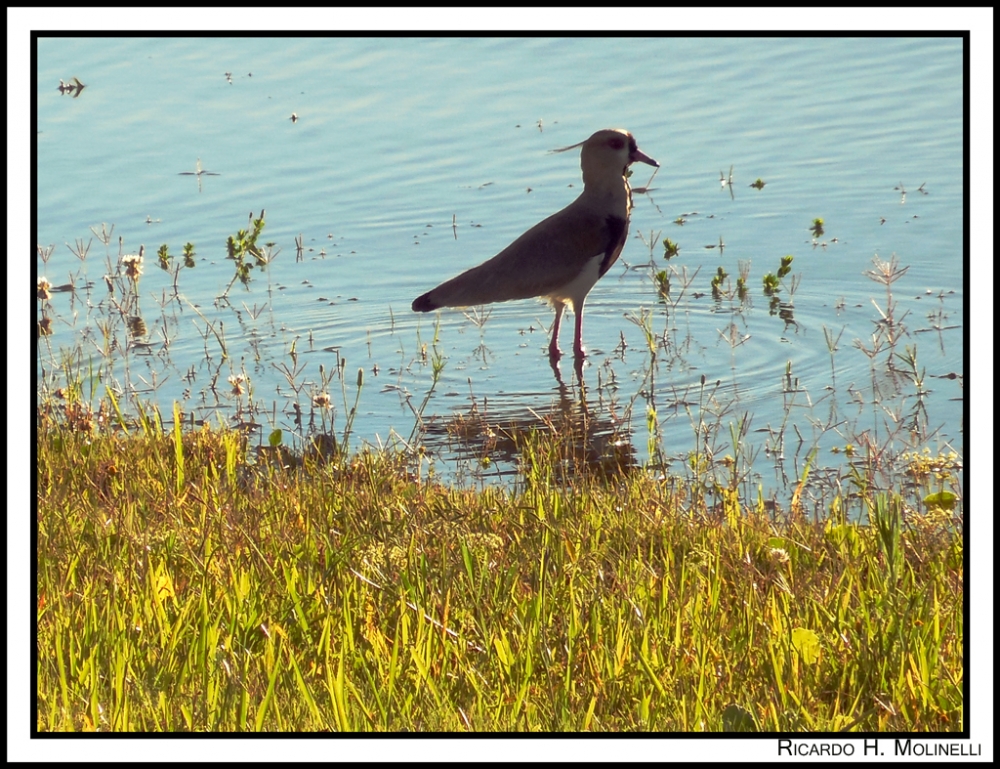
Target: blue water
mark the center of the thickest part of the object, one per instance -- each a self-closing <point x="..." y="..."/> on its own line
<point x="397" y="138"/>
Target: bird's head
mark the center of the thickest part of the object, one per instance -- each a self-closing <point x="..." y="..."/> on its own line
<point x="606" y="154"/>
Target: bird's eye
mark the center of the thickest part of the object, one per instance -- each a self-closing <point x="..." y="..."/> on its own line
<point x="616" y="143"/>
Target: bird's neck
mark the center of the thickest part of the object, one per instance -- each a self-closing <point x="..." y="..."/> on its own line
<point x="607" y="193"/>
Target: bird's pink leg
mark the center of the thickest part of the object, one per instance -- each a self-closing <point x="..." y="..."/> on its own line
<point x="554" y="352"/>
<point x="578" y="350"/>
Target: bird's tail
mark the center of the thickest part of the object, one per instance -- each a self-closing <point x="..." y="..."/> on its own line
<point x="479" y="285"/>
<point x="425" y="303"/>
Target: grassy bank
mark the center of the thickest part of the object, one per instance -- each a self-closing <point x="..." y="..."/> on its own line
<point x="186" y="583"/>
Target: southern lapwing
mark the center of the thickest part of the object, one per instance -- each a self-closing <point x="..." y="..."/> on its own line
<point x="562" y="257"/>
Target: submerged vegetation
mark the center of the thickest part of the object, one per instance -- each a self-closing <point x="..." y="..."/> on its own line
<point x="240" y="565"/>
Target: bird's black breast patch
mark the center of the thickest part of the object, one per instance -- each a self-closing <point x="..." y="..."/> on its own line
<point x="616" y="227"/>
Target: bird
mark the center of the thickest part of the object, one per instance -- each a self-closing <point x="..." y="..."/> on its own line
<point x="563" y="256"/>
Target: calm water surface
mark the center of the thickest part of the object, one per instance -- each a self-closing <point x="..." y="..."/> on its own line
<point x="396" y="140"/>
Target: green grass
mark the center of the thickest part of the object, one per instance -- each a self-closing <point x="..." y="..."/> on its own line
<point x="189" y="582"/>
<point x="186" y="585"/>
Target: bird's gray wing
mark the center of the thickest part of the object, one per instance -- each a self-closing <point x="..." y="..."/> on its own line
<point x="542" y="260"/>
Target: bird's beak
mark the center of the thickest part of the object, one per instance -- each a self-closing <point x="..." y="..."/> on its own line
<point x="641" y="157"/>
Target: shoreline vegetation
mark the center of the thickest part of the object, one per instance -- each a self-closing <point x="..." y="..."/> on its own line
<point x="204" y="578"/>
<point x="186" y="583"/>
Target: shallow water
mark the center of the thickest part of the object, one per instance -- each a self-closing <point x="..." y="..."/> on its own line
<point x="396" y="140"/>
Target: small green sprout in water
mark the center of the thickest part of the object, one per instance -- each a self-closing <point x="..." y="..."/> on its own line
<point x="743" y="279"/>
<point x="189" y="255"/>
<point x="759" y="184"/>
<point x="164" y="256"/>
<point x="772" y="282"/>
<point x="817" y="228"/>
<point x="243" y="273"/>
<point x="670" y="249"/>
<point x="663" y="283"/>
<point x="717" y="281"/>
<point x="243" y="243"/>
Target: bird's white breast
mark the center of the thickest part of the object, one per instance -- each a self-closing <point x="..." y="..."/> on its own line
<point x="577" y="289"/>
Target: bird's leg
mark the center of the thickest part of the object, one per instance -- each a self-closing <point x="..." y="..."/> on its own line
<point x="578" y="349"/>
<point x="554" y="352"/>
<point x="554" y="363"/>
